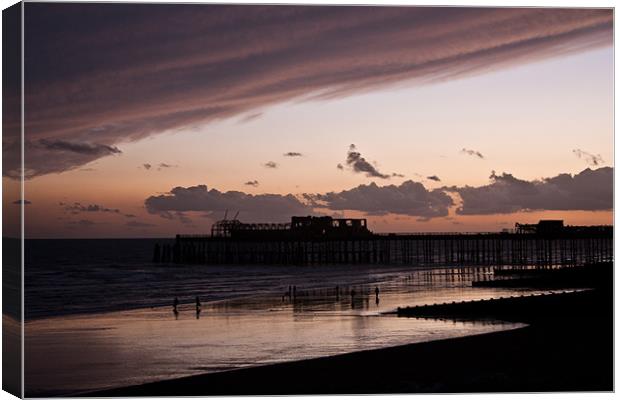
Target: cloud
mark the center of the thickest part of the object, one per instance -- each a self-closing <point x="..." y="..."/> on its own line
<point x="94" y="149"/>
<point x="260" y="208"/>
<point x="47" y="156"/>
<point x="160" y="166"/>
<point x="139" y="72"/>
<point x="252" y="183"/>
<point x="137" y="224"/>
<point x="270" y="164"/>
<point x="433" y="178"/>
<point x="130" y="216"/>
<point x="359" y="164"/>
<point x="164" y="165"/>
<point x="83" y="223"/>
<point x="77" y="208"/>
<point x="20" y="202"/>
<point x="591" y="159"/>
<point x="409" y="198"/>
<point x="178" y="215"/>
<point x="250" y="117"/>
<point x="340" y="166"/>
<point x="397" y="175"/>
<point x="588" y="190"/>
<point x="181" y="216"/>
<point x="472" y="153"/>
<point x="293" y="154"/>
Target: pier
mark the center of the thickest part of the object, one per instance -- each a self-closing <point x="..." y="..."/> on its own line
<point x="324" y="241"/>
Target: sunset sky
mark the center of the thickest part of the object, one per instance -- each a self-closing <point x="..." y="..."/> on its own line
<point x="151" y="120"/>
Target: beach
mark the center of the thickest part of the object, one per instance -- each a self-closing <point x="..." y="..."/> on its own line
<point x="561" y="354"/>
<point x="566" y="346"/>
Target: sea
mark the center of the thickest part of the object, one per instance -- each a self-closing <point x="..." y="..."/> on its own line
<point x="99" y="313"/>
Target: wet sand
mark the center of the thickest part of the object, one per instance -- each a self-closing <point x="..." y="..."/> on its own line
<point x="72" y="354"/>
<point x="563" y="351"/>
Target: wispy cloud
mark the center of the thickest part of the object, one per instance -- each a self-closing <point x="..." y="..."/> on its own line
<point x="226" y="61"/>
<point x="250" y="117"/>
<point x="293" y="154"/>
<point x="472" y="153"/>
<point x="160" y="166"/>
<point x="270" y="164"/>
<point x="138" y="224"/>
<point x="83" y="223"/>
<point x="252" y="183"/>
<point x="433" y="178"/>
<point x="591" y="159"/>
<point x="76" y="208"/>
<point x="45" y="156"/>
<point x="91" y="149"/>
<point x="20" y="202"/>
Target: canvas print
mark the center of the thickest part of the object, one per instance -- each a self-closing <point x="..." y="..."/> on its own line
<point x="228" y="199"/>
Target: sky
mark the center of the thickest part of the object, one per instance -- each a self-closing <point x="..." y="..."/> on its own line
<point x="151" y="120"/>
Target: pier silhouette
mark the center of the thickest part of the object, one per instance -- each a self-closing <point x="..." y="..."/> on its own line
<point x="325" y="240"/>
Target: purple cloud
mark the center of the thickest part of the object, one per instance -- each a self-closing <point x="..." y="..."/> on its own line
<point x="588" y="190"/>
<point x="262" y="207"/>
<point x="124" y="72"/>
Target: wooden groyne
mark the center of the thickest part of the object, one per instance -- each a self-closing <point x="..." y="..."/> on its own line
<point x="493" y="249"/>
<point x="536" y="307"/>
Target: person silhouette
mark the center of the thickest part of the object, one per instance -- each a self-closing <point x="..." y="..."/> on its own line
<point x="198" y="305"/>
<point x="175" y="304"/>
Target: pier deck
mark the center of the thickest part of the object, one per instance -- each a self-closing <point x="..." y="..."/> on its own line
<point x="567" y="248"/>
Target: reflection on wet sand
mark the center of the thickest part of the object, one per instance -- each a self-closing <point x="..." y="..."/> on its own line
<point x="85" y="352"/>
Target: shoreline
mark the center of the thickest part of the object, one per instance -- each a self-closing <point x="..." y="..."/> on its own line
<point x="189" y="299"/>
<point x="189" y="302"/>
<point x="562" y="352"/>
